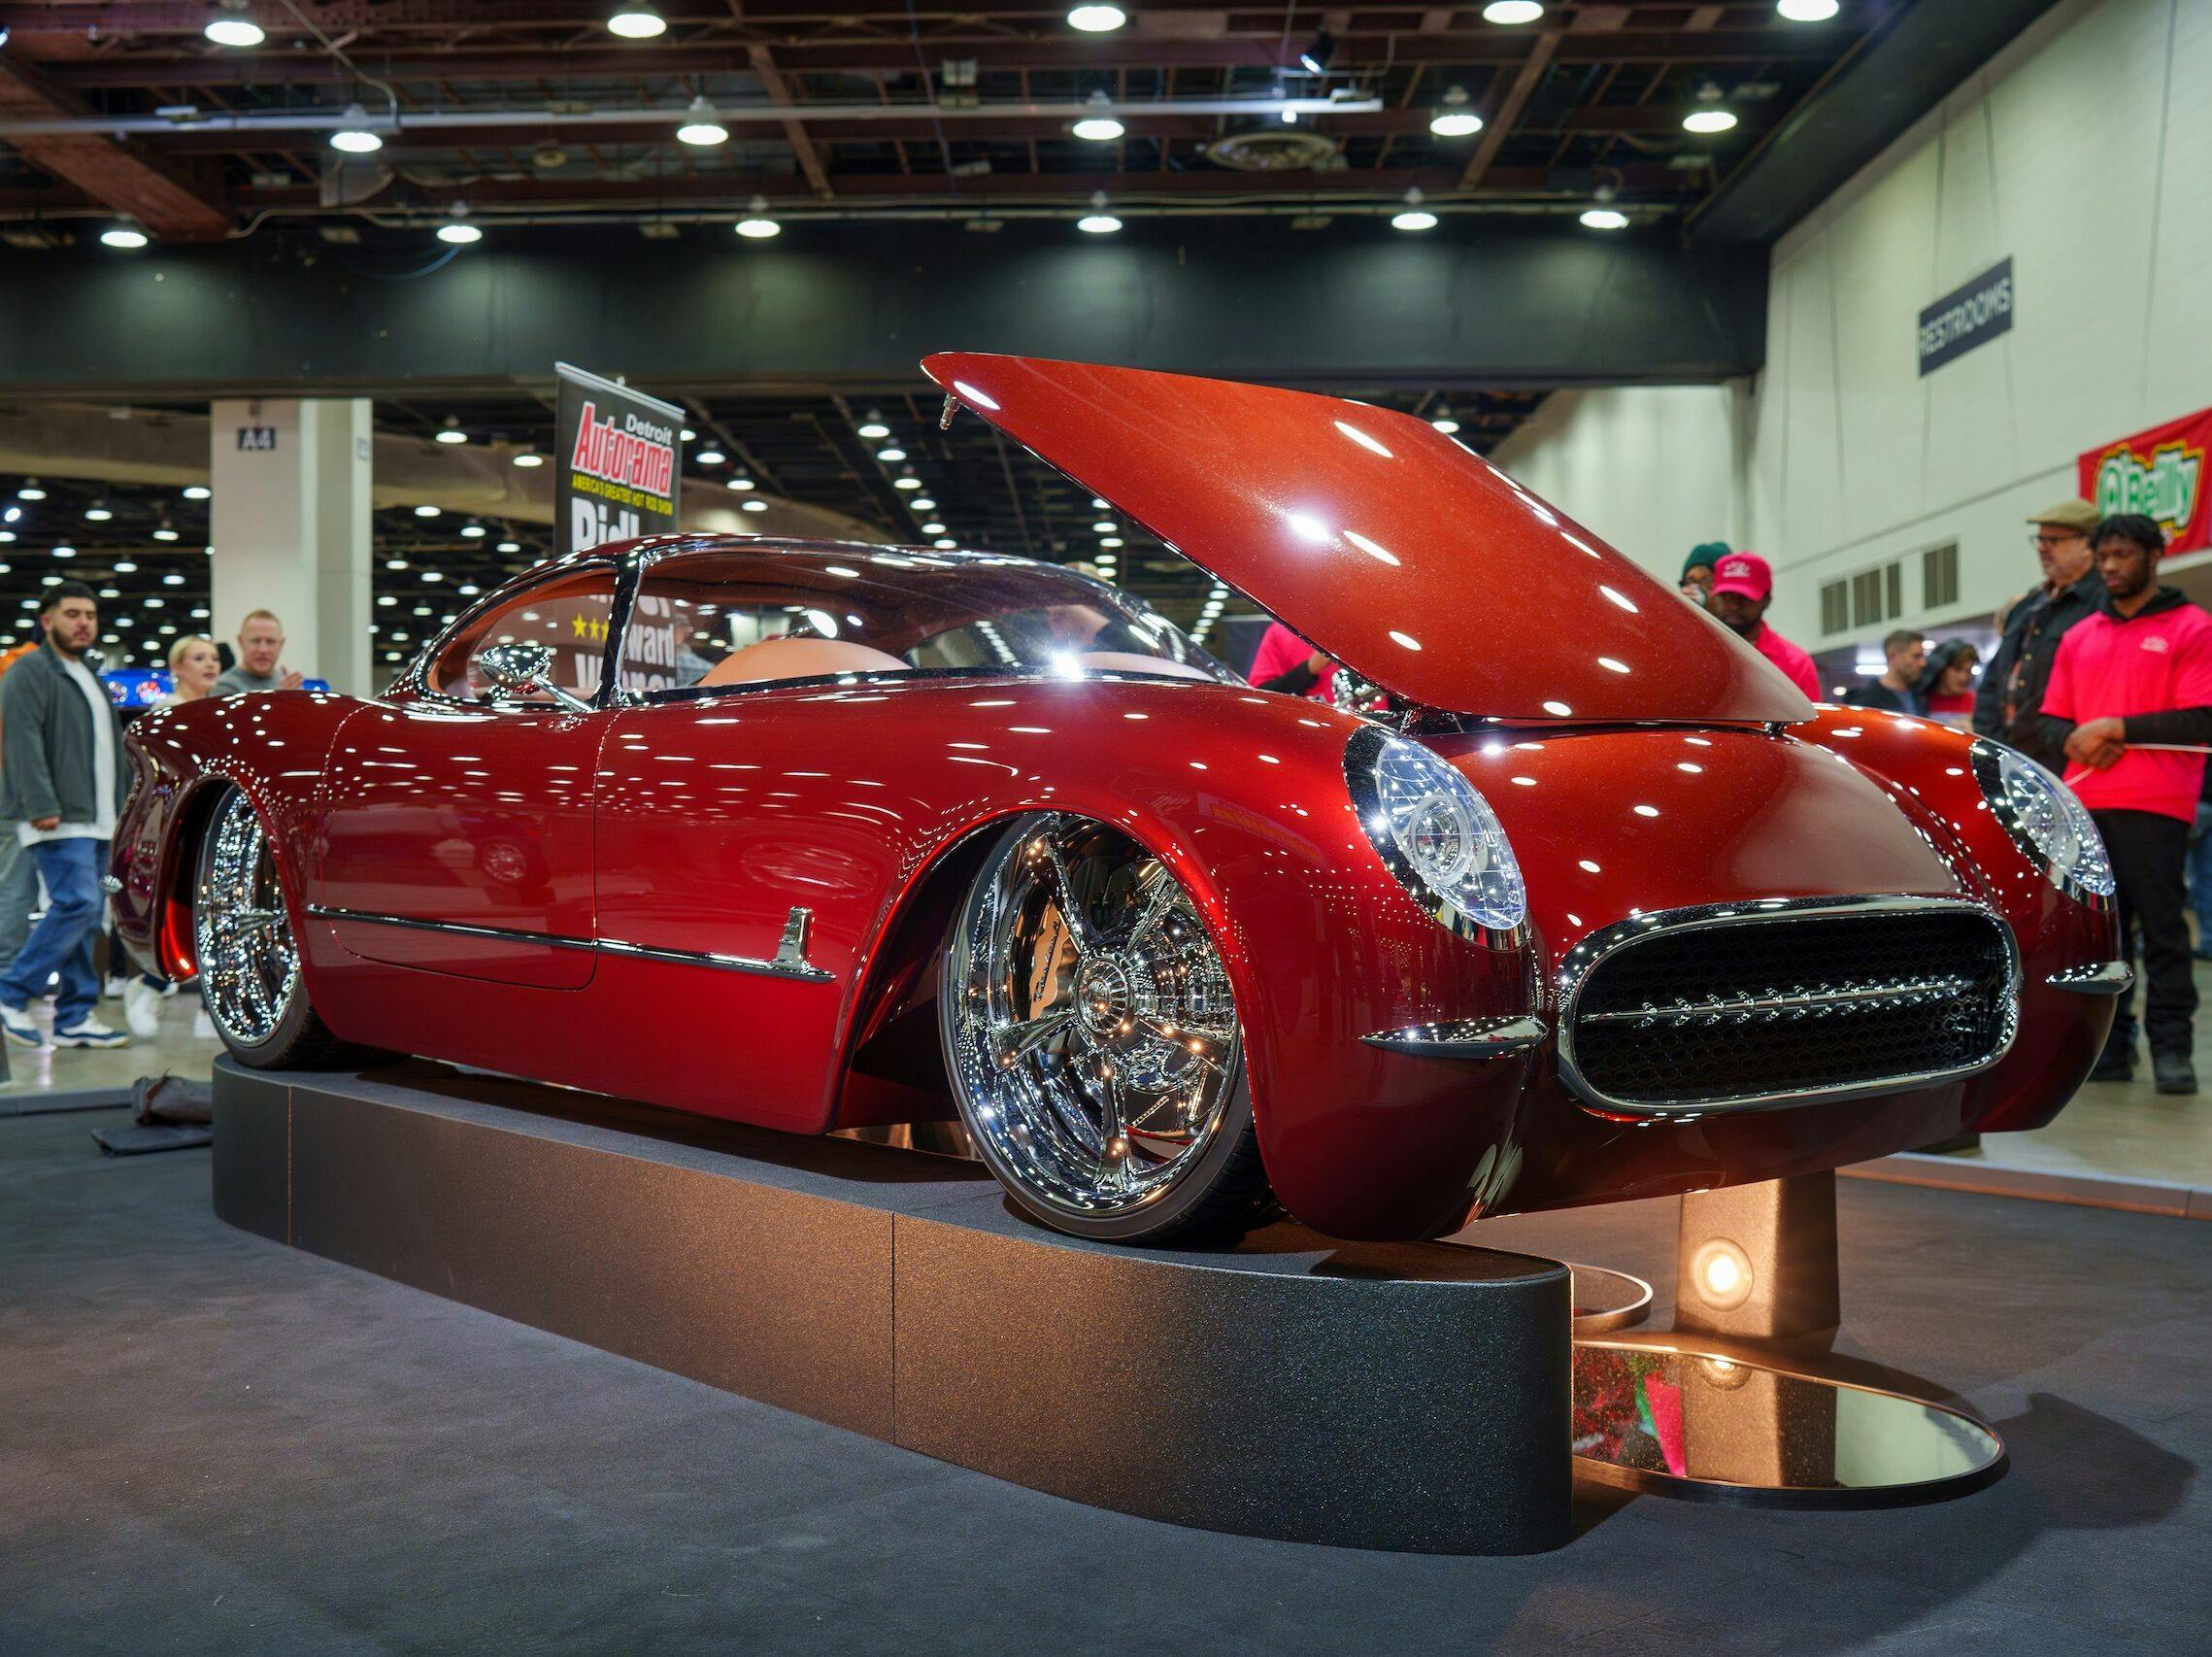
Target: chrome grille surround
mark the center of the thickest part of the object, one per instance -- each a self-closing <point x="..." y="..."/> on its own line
<point x="1838" y="996"/>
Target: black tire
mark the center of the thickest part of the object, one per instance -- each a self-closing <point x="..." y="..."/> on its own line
<point x="296" y="1037"/>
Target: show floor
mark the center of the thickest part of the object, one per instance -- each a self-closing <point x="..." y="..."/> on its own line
<point x="209" y="1442"/>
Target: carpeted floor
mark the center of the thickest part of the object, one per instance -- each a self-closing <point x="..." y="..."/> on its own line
<point x="209" y="1442"/>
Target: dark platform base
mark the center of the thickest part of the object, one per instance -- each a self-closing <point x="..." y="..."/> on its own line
<point x="1405" y="1396"/>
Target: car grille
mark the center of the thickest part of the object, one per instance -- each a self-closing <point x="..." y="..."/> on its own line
<point x="1701" y="1009"/>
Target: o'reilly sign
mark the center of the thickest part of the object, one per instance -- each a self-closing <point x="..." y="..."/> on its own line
<point x="620" y="462"/>
<point x="1966" y="316"/>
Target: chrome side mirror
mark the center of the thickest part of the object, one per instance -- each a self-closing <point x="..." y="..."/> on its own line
<point x="520" y="669"/>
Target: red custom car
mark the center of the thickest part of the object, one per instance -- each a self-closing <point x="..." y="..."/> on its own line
<point x="1578" y="901"/>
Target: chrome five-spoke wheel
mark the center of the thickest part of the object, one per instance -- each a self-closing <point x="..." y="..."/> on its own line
<point x="1093" y="1039"/>
<point x="248" y="960"/>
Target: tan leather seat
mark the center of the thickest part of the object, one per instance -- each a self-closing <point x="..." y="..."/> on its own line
<point x="799" y="658"/>
<point x="1129" y="661"/>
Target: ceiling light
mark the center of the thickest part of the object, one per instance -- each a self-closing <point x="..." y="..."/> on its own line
<point x="528" y="457"/>
<point x="1109" y="542"/>
<point x="891" y="457"/>
<point x="1098" y="128"/>
<point x="450" y="431"/>
<point x="232" y="29"/>
<point x="504" y="546"/>
<point x="468" y="589"/>
<point x="873" y="426"/>
<point x="756" y="504"/>
<point x="1098" y="224"/>
<point x="172" y="579"/>
<point x="922" y="504"/>
<point x="1445" y="423"/>
<point x="387" y="600"/>
<point x="934" y="529"/>
<point x="710" y="456"/>
<point x="192" y="492"/>
<point x="1315" y="59"/>
<point x="1805" y="10"/>
<point x="439" y="574"/>
<point x="906" y="481"/>
<point x="757" y="226"/>
<point x="1708" y="116"/>
<point x="1104" y="526"/>
<point x="741" y="484"/>
<point x="65" y="552"/>
<point x="126" y="566"/>
<point x="354" y="138"/>
<point x="700" y="126"/>
<point x="395" y="564"/>
<point x="99" y="513"/>
<point x="472" y="531"/>
<point x="1454" y="119"/>
<point x="1511" y="11"/>
<point x="31" y="491"/>
<point x="1413" y="219"/>
<point x="944" y="543"/>
<point x="1097" y="19"/>
<point x="427" y="512"/>
<point x="125" y="236"/>
<point x="635" y="21"/>
<point x="1604" y="219"/>
<point x="459" y="234"/>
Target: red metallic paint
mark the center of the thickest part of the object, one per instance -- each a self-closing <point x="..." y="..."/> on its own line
<point x="1393" y="548"/>
<point x="709" y="819"/>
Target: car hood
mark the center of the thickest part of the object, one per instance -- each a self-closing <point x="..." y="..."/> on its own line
<point x="1400" y="553"/>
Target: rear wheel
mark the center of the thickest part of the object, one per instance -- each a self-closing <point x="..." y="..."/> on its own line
<point x="250" y="966"/>
<point x="1094" y="1040"/>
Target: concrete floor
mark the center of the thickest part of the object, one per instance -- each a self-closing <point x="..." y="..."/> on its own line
<point x="209" y="1442"/>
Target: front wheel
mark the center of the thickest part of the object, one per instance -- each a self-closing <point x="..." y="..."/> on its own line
<point x="1093" y="1041"/>
<point x="250" y="967"/>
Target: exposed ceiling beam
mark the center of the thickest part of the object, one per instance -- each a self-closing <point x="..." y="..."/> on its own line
<point x="118" y="174"/>
<point x="794" y="132"/>
<point x="1525" y="81"/>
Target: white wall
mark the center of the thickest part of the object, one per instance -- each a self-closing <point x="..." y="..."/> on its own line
<point x="1655" y="470"/>
<point x="2083" y="152"/>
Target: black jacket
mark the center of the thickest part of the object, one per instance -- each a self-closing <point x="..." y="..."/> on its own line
<point x="1876" y="694"/>
<point x="2019" y="673"/>
<point x="46" y="746"/>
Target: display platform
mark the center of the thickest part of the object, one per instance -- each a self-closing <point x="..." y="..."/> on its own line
<point x="1407" y="1396"/>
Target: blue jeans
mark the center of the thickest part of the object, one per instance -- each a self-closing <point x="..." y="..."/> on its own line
<point x="2201" y="875"/>
<point x="62" y="940"/>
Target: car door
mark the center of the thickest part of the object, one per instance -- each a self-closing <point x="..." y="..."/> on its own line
<point x="457" y="835"/>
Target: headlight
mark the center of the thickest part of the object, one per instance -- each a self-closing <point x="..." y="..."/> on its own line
<point x="1435" y="833"/>
<point x="2046" y="822"/>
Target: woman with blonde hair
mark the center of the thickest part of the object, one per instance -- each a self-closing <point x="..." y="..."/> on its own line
<point x="195" y="666"/>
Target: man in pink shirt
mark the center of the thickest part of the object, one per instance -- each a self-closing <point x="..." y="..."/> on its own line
<point x="1742" y="589"/>
<point x="1287" y="664"/>
<point x="2132" y="682"/>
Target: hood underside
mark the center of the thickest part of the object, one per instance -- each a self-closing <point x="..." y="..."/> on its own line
<point x="1380" y="540"/>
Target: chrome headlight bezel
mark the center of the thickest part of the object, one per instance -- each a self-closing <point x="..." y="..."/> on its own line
<point x="1374" y="760"/>
<point x="2009" y="779"/>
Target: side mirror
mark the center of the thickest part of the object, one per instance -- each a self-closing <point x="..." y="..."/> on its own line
<point x="521" y="669"/>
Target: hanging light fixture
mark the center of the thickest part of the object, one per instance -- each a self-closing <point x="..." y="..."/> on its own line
<point x="757" y="226"/>
<point x="1509" y="13"/>
<point x="1097" y="19"/>
<point x="127" y="237"/>
<point x="450" y="431"/>
<point x="459" y="231"/>
<point x="355" y="138"/>
<point x="1098" y="221"/>
<point x="1708" y="117"/>
<point x="1454" y="119"/>
<point x="700" y="127"/>
<point x="637" y="21"/>
<point x="1805" y="10"/>
<point x="1099" y="124"/>
<point x="1413" y="216"/>
<point x="233" y="27"/>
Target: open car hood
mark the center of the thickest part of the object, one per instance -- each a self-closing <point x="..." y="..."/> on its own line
<point x="1401" y="554"/>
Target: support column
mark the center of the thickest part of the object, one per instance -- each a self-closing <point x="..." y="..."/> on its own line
<point x="290" y="529"/>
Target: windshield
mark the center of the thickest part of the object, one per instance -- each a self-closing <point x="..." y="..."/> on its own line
<point x="755" y="616"/>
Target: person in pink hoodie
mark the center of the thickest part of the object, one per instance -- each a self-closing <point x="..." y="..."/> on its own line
<point x="1743" y="586"/>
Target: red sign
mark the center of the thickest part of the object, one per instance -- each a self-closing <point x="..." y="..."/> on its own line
<point x="2159" y="473"/>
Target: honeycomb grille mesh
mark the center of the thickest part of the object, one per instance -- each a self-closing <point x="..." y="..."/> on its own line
<point x="1802" y="1003"/>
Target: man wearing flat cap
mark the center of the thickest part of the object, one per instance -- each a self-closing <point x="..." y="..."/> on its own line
<point x="2009" y="705"/>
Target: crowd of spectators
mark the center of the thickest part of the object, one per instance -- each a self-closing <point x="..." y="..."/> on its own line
<point x="63" y="779"/>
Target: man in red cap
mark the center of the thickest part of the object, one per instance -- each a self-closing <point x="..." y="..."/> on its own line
<point x="1742" y="589"/>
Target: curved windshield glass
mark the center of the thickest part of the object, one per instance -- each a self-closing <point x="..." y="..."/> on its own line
<point x="758" y="616"/>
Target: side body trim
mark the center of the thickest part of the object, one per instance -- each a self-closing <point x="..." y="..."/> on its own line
<point x="1464" y="1038"/>
<point x="788" y="962"/>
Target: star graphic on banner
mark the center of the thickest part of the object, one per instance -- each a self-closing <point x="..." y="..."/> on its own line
<point x="581" y="626"/>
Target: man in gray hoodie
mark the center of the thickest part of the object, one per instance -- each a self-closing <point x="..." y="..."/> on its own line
<point x="63" y="781"/>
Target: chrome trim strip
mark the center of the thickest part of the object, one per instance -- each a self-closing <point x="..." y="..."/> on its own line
<point x="1579" y="961"/>
<point x="2104" y="978"/>
<point x="1765" y="1009"/>
<point x="1464" y="1038"/>
<point x="789" y="960"/>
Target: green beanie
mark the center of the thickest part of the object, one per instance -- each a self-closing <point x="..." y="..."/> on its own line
<point x="1709" y="554"/>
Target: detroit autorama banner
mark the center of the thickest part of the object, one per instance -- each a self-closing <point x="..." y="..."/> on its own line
<point x="2159" y="473"/>
<point x="620" y="454"/>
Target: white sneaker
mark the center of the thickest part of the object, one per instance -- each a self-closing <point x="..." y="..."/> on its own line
<point x="142" y="1009"/>
<point x="90" y="1031"/>
<point x="18" y="1025"/>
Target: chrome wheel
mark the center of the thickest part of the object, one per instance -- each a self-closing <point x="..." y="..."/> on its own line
<point x="241" y="931"/>
<point x="1089" y="1024"/>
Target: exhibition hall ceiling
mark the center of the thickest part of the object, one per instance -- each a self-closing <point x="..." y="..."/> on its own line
<point x="542" y="110"/>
